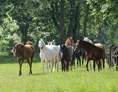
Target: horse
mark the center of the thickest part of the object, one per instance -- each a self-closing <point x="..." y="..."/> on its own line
<point x="115" y="56"/>
<point x="97" y="44"/>
<point x="24" y="52"/>
<point x="66" y="57"/>
<point x="49" y="53"/>
<point x="53" y="42"/>
<point x="69" y="41"/>
<point x="78" y="55"/>
<point x="93" y="52"/>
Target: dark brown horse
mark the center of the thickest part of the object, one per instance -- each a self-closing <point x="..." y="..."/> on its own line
<point x="24" y="52"/>
<point x="93" y="52"/>
<point x="66" y="57"/>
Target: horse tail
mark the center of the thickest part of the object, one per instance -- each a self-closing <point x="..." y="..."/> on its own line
<point x="29" y="43"/>
<point x="33" y="49"/>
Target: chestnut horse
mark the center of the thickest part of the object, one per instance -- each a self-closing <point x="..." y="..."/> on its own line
<point x="24" y="52"/>
<point x="93" y="52"/>
<point x="69" y="41"/>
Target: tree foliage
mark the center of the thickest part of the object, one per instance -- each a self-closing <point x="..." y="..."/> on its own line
<point x="22" y="20"/>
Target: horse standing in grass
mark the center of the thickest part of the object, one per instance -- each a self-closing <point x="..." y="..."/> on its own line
<point x="78" y="55"/>
<point x="66" y="57"/>
<point x="49" y="53"/>
<point x="93" y="52"/>
<point x="24" y="52"/>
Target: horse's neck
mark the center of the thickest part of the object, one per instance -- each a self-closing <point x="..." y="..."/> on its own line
<point x="87" y="47"/>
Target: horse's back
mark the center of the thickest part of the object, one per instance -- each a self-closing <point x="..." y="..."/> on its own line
<point x="50" y="52"/>
<point x="28" y="51"/>
<point x="70" y="51"/>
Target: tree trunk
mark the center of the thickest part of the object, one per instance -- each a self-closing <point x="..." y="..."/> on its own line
<point x="74" y="20"/>
<point x="58" y="17"/>
<point x="86" y="19"/>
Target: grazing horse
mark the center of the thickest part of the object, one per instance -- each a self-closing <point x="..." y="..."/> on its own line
<point x="66" y="57"/>
<point x="49" y="53"/>
<point x="24" y="52"/>
<point x="93" y="52"/>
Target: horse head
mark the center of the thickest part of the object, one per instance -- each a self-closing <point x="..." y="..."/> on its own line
<point x="78" y="45"/>
<point x="53" y="42"/>
<point x="63" y="50"/>
<point x="18" y="50"/>
<point x="41" y="43"/>
<point x="69" y="41"/>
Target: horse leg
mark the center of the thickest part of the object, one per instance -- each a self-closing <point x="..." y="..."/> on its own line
<point x="82" y="60"/>
<point x="57" y="64"/>
<point x="94" y="65"/>
<point x="42" y="66"/>
<point x="98" y="64"/>
<point x="70" y="64"/>
<point x="77" y="62"/>
<point x="54" y="65"/>
<point x="62" y="65"/>
<point x="47" y="65"/>
<point x="30" y="65"/>
<point x="65" y="65"/>
<point x="90" y="66"/>
<point x="103" y="61"/>
<point x="20" y="66"/>
<point x="87" y="65"/>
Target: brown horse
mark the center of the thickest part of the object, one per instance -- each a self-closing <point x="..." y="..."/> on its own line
<point x="69" y="41"/>
<point x="24" y="52"/>
<point x="93" y="52"/>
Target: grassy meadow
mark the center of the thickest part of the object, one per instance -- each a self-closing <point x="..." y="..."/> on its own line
<point x="77" y="80"/>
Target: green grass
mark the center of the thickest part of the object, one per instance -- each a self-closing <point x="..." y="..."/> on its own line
<point x="77" y="80"/>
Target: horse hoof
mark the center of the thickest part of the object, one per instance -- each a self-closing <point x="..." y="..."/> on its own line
<point x="20" y="74"/>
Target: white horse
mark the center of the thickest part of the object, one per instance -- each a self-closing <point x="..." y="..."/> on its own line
<point x="52" y="42"/>
<point x="49" y="53"/>
<point x="88" y="40"/>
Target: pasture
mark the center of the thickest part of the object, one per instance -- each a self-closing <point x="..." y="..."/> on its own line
<point x="77" y="80"/>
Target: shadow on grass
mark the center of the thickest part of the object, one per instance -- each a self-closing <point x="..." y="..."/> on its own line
<point x="36" y="74"/>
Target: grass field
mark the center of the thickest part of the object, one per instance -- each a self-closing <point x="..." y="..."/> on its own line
<point x="77" y="80"/>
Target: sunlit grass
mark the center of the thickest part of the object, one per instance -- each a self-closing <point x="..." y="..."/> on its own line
<point x="77" y="80"/>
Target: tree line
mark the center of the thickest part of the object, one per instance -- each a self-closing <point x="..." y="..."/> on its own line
<point x="22" y="20"/>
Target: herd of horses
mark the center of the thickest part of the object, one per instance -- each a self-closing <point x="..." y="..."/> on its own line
<point x="66" y="53"/>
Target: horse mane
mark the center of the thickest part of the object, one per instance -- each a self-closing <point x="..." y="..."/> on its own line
<point x="19" y="45"/>
<point x="87" y="43"/>
<point x="87" y="40"/>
